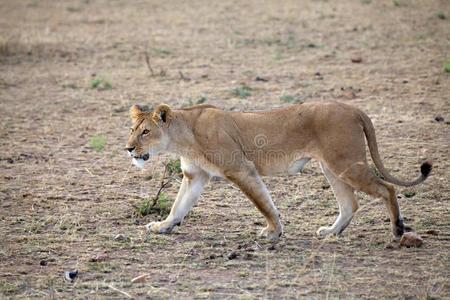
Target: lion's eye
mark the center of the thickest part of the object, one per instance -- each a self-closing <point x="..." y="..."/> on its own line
<point x="146" y="131"/>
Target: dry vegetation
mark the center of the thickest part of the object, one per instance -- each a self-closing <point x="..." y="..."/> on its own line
<point x="69" y="70"/>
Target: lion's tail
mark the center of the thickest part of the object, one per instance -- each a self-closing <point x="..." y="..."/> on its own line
<point x="369" y="131"/>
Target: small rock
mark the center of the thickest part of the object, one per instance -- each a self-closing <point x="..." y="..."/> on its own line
<point x="350" y="95"/>
<point x="356" y="59"/>
<point x="411" y="239"/>
<point x="232" y="255"/>
<point x="43" y="262"/>
<point x="271" y="247"/>
<point x="120" y="109"/>
<point x="81" y="135"/>
<point x="141" y="278"/>
<point x="97" y="258"/>
<point x="439" y="118"/>
<point x="432" y="232"/>
<point x="248" y="256"/>
<point x="70" y="275"/>
<point x="120" y="237"/>
<point x="261" y="79"/>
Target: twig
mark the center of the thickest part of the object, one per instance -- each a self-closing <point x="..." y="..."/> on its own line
<point x="87" y="170"/>
<point x="183" y="77"/>
<point x="122" y="292"/>
<point x="10" y="274"/>
<point x="51" y="75"/>
<point x="122" y="181"/>
<point x="147" y="60"/>
<point x="161" y="187"/>
<point x="5" y="85"/>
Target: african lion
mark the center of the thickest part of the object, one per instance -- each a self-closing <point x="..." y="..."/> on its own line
<point x="243" y="146"/>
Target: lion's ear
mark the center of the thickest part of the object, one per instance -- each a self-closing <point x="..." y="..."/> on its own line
<point x="135" y="113"/>
<point x="162" y="115"/>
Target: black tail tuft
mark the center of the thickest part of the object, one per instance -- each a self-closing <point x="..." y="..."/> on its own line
<point x="425" y="168"/>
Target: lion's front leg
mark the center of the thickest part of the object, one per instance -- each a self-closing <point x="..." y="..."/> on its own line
<point x="191" y="187"/>
<point x="254" y="188"/>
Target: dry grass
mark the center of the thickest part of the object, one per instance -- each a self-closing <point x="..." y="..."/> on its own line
<point x="64" y="202"/>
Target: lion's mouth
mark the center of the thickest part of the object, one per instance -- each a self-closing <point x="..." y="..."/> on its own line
<point x="144" y="157"/>
<point x="139" y="161"/>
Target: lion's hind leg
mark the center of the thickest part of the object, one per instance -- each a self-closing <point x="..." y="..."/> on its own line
<point x="359" y="176"/>
<point x="347" y="203"/>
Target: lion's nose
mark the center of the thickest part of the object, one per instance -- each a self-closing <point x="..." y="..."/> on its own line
<point x="130" y="149"/>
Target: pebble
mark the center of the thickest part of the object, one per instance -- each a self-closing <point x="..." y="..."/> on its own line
<point x="350" y="95"/>
<point x="432" y="232"/>
<point x="70" y="275"/>
<point x="261" y="79"/>
<point x="356" y="59"/>
<point x="97" y="258"/>
<point x="232" y="255"/>
<point x="439" y="118"/>
<point x="411" y="239"/>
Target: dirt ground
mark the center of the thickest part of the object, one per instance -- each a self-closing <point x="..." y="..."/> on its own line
<point x="70" y="70"/>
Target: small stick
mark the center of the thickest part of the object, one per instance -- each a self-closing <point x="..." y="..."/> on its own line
<point x="89" y="171"/>
<point x="147" y="60"/>
<point x="51" y="75"/>
<point x="122" y="292"/>
<point x="162" y="186"/>
<point x="183" y="77"/>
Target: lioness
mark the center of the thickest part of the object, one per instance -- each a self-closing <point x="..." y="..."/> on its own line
<point x="243" y="146"/>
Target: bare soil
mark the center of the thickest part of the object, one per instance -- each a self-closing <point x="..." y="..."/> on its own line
<point x="69" y="71"/>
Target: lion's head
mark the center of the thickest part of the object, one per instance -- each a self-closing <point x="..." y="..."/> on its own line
<point x="148" y="133"/>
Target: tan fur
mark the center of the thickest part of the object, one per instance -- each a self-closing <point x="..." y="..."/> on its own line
<point x="242" y="146"/>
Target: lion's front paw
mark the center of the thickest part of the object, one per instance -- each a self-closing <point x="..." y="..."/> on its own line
<point x="323" y="231"/>
<point x="159" y="227"/>
<point x="271" y="233"/>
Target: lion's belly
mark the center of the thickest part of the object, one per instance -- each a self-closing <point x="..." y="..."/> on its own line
<point x="281" y="167"/>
